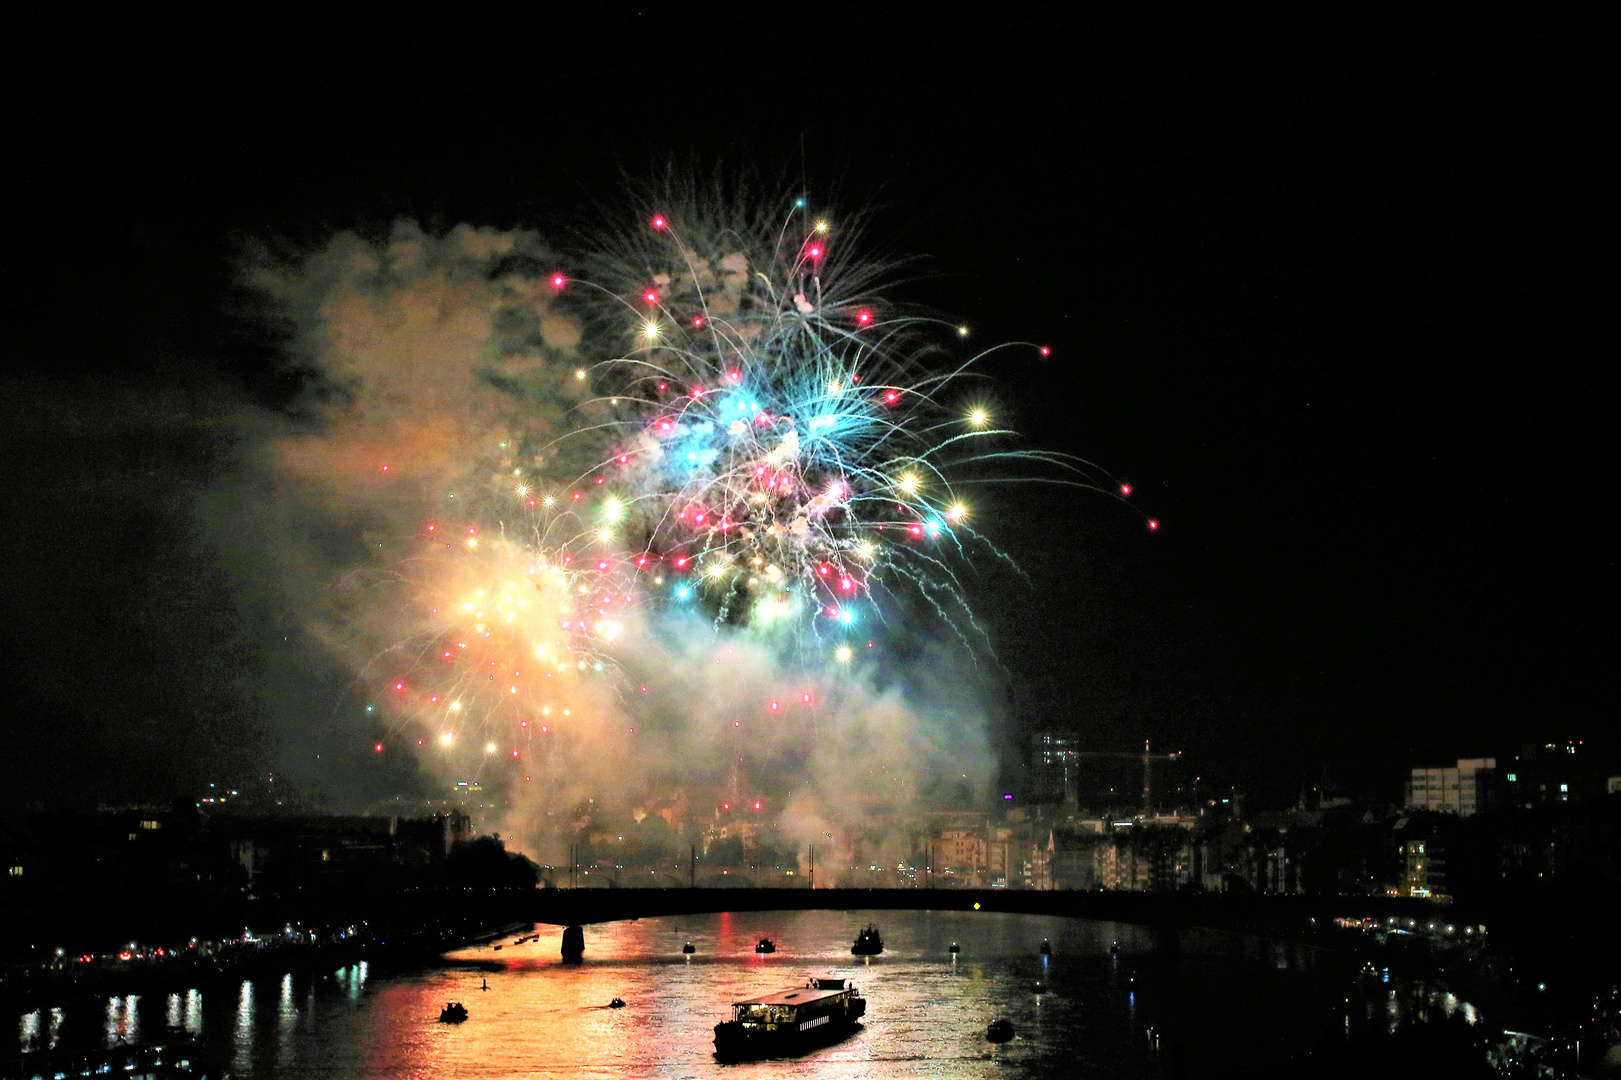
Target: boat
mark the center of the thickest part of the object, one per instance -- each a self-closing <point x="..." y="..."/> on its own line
<point x="999" y="1031"/>
<point x="1046" y="947"/>
<point x="688" y="948"/>
<point x="790" y="1021"/>
<point x="1040" y="987"/>
<point x="765" y="945"/>
<point x="454" y="1012"/>
<point x="868" y="943"/>
<point x="954" y="948"/>
<point x="617" y="1003"/>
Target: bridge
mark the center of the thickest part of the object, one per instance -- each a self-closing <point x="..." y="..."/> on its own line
<point x="1249" y="913"/>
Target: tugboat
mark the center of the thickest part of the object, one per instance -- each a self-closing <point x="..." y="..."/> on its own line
<point x="790" y="1021"/>
<point x="454" y="1012"/>
<point x="1000" y="1031"/>
<point x="868" y="943"/>
<point x="765" y="945"/>
<point x="688" y="948"/>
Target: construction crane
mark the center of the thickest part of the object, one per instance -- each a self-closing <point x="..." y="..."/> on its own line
<point x="1148" y="757"/>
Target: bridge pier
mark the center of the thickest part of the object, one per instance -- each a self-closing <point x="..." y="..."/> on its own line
<point x="573" y="944"/>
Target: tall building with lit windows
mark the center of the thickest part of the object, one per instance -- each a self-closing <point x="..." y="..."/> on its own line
<point x="1462" y="790"/>
<point x="1054" y="761"/>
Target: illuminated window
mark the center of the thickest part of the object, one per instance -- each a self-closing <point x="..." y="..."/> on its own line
<point x="151" y="824"/>
<point x="1513" y="778"/>
<point x="1564" y="787"/>
<point x="14" y="871"/>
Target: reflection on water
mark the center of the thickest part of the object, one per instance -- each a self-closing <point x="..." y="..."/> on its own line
<point x="123" y="1026"/>
<point x="193" y="1022"/>
<point x="1196" y="1003"/>
<point x="242" y="1034"/>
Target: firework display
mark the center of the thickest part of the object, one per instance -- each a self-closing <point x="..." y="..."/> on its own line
<point x="753" y="448"/>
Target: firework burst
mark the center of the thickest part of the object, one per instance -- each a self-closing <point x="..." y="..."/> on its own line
<point x="719" y="418"/>
<point x="783" y="447"/>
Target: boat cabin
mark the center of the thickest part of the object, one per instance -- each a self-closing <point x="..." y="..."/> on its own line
<point x="818" y="997"/>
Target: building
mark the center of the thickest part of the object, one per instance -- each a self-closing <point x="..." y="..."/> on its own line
<point x="1552" y="773"/>
<point x="1054" y="761"/>
<point x="1425" y="873"/>
<point x="1462" y="790"/>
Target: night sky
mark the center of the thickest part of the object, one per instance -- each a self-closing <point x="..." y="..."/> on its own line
<point x="1327" y="295"/>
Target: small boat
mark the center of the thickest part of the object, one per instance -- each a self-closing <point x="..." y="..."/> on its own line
<point x="790" y="1022"/>
<point x="868" y="942"/>
<point x="954" y="947"/>
<point x="1114" y="949"/>
<point x="999" y="1031"/>
<point x="1040" y="987"/>
<point x="454" y="1012"/>
<point x="1046" y="947"/>
<point x="765" y="945"/>
<point x="688" y="948"/>
<point x="617" y="1003"/>
<point x="497" y="948"/>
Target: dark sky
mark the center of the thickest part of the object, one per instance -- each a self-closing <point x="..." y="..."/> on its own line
<point x="1327" y="294"/>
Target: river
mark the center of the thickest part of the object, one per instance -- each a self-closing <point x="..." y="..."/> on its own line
<point x="1190" y="1003"/>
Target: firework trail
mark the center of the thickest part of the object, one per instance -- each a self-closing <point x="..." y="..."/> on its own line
<point x="691" y="487"/>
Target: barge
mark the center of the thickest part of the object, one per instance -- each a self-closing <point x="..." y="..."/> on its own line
<point x="790" y="1021"/>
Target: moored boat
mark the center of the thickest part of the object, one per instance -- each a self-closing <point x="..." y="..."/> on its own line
<point x="868" y="942"/>
<point x="790" y="1021"/>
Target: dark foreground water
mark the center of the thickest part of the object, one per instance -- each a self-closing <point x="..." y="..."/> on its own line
<point x="1192" y="1003"/>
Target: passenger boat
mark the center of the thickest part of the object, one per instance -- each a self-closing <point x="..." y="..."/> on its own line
<point x="868" y="942"/>
<point x="790" y="1021"/>
<point x="765" y="945"/>
<point x="453" y="1013"/>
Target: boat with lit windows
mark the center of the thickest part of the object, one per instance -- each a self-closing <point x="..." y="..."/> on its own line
<point x="868" y="942"/>
<point x="790" y="1021"/>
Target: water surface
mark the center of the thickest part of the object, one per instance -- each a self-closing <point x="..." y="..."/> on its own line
<point x="1192" y="1004"/>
